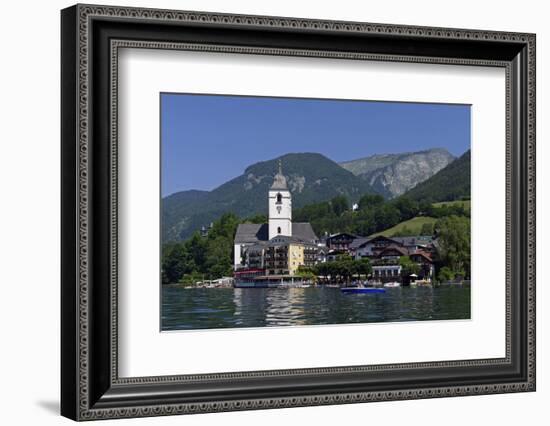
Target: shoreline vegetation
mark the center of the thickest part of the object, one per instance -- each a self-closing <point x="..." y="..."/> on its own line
<point x="208" y="256"/>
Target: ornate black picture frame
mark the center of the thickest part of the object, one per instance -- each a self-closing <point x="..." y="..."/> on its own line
<point x="91" y="388"/>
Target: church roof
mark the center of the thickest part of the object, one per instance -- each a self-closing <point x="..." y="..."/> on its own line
<point x="303" y="231"/>
<point x="279" y="181"/>
<point x="250" y="233"/>
<point x="284" y="239"/>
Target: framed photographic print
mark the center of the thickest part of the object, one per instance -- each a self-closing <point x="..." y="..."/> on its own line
<point x="263" y="212"/>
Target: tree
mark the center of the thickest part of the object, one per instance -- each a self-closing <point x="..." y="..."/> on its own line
<point x="225" y="226"/>
<point x="218" y="261"/>
<point x="386" y="216"/>
<point x="369" y="201"/>
<point x="407" y="207"/>
<point x="210" y="257"/>
<point x="363" y="223"/>
<point x="175" y="263"/>
<point x="322" y="269"/>
<point x="408" y="267"/>
<point x="197" y="248"/>
<point x="259" y="218"/>
<point x="445" y="274"/>
<point x="453" y="235"/>
<point x="306" y="273"/>
<point x="339" y="204"/>
<point x="425" y="207"/>
<point x="363" y="267"/>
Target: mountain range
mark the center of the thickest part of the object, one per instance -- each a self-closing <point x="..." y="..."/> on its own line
<point x="393" y="174"/>
<point x="451" y="183"/>
<point x="311" y="178"/>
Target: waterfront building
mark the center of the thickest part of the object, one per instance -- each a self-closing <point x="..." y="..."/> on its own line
<point x="371" y="247"/>
<point x="321" y="255"/>
<point x="284" y="255"/>
<point x="424" y="260"/>
<point x="280" y="246"/>
<point x="386" y="272"/>
<point x="340" y="242"/>
<point x="385" y="254"/>
<point x="414" y="243"/>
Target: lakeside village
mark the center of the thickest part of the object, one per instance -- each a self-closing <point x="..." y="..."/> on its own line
<point x="283" y="253"/>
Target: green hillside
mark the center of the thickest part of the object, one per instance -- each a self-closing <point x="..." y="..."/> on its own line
<point x="409" y="227"/>
<point x="449" y="184"/>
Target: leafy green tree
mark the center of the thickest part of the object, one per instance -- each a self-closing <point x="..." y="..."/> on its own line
<point x="386" y="216"/>
<point x="201" y="257"/>
<point x="363" y="222"/>
<point x="176" y="262"/>
<point x="407" y="207"/>
<point x="408" y="267"/>
<point x="363" y="267"/>
<point x="370" y="201"/>
<point x="425" y="208"/>
<point x="218" y="261"/>
<point x="225" y="226"/>
<point x="339" y="204"/>
<point x="306" y="273"/>
<point x="322" y="269"/>
<point x="259" y="218"/>
<point x="453" y="233"/>
<point x="445" y="274"/>
<point x="197" y="247"/>
<point x="311" y="212"/>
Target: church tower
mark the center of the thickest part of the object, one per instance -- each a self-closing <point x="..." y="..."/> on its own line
<point x="280" y="207"/>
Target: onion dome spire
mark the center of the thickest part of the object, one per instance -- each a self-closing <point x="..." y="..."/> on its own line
<point x="279" y="181"/>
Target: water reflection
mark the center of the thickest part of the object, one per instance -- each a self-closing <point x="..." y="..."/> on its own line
<point x="184" y="309"/>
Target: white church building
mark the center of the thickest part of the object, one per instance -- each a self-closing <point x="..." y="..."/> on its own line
<point x="261" y="241"/>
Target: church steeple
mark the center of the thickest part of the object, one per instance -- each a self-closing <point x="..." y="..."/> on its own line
<point x="280" y="206"/>
<point x="279" y="181"/>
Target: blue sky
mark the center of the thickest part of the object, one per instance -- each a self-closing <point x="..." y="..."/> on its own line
<point x="209" y="139"/>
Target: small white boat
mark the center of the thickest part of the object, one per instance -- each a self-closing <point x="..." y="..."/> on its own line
<point x="392" y="284"/>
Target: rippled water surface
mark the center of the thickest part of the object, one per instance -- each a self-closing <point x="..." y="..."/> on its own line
<point x="185" y="309"/>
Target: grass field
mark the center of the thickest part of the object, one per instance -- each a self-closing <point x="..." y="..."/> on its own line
<point x="465" y="204"/>
<point x="413" y="225"/>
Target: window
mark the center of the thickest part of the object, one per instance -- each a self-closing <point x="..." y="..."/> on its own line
<point x="279" y="198"/>
<point x="278" y="230"/>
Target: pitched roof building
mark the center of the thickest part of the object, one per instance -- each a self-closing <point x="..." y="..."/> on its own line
<point x="279" y="224"/>
<point x="251" y="233"/>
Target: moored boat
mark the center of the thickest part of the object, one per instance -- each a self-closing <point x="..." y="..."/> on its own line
<point x="393" y="284"/>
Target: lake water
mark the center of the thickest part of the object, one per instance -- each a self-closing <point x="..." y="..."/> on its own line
<point x="201" y="308"/>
